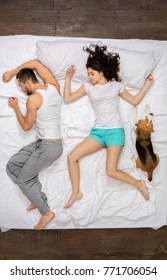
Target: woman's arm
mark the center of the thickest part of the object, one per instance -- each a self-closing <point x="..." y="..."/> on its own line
<point x="68" y="96"/>
<point x="44" y="73"/>
<point x="134" y="100"/>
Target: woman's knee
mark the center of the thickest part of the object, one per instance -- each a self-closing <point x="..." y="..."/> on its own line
<point x="111" y="172"/>
<point x="72" y="158"/>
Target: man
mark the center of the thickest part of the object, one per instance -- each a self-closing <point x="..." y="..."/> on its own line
<point x="43" y="107"/>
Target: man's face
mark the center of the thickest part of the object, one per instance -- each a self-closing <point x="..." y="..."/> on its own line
<point x="25" y="87"/>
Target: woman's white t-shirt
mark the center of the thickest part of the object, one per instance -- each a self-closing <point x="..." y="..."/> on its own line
<point x="104" y="99"/>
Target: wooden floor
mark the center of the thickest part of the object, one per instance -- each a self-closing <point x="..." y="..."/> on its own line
<point x="144" y="19"/>
<point x="97" y="244"/>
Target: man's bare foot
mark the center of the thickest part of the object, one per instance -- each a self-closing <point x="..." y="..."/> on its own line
<point x="31" y="207"/>
<point x="72" y="199"/>
<point x="143" y="189"/>
<point x="45" y="219"/>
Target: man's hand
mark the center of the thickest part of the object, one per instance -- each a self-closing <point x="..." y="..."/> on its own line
<point x="13" y="102"/>
<point x="7" y="76"/>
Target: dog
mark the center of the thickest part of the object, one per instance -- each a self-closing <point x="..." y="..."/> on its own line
<point x="147" y="160"/>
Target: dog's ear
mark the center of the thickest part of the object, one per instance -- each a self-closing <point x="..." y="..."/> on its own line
<point x="152" y="128"/>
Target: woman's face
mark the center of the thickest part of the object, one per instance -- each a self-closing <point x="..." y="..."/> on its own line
<point x="95" y="76"/>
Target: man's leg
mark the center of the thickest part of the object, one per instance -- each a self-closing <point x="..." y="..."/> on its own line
<point x="43" y="155"/>
<point x="23" y="168"/>
<point x="18" y="160"/>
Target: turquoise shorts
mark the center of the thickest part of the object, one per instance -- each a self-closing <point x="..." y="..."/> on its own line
<point x="108" y="137"/>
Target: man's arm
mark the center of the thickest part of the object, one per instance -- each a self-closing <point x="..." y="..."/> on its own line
<point x="44" y="73"/>
<point x="32" y="105"/>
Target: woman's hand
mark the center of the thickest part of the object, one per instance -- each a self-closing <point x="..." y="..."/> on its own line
<point x="7" y="76"/>
<point x="149" y="80"/>
<point x="134" y="100"/>
<point x="70" y="72"/>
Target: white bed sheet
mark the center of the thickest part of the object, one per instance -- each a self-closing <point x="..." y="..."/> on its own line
<point x="106" y="203"/>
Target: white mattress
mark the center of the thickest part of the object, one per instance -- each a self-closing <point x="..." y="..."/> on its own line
<point x="106" y="203"/>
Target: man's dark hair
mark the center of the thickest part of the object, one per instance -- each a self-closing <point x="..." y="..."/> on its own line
<point x="26" y="74"/>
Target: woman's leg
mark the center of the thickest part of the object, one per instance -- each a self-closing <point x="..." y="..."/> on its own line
<point x="86" y="147"/>
<point x="113" y="153"/>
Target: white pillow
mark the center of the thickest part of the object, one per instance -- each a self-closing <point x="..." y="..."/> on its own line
<point x="135" y="66"/>
<point x="59" y="55"/>
<point x="15" y="50"/>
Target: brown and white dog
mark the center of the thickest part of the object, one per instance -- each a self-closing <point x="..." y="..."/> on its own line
<point x="147" y="160"/>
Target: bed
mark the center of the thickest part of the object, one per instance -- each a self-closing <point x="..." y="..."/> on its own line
<point x="106" y="202"/>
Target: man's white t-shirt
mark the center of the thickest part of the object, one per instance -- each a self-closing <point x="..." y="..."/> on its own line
<point x="49" y="115"/>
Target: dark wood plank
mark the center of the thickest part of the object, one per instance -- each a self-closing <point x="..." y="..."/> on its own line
<point x="87" y="24"/>
<point x="143" y="30"/>
<point x="43" y="23"/>
<point x="27" y="17"/>
<point x="27" y="5"/>
<point x="84" y="244"/>
<point x="19" y="29"/>
<point x="145" y="5"/>
<point x="86" y="6"/>
<point x="142" y="16"/>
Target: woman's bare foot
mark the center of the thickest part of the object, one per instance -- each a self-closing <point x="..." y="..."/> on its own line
<point x="143" y="189"/>
<point x="73" y="198"/>
<point x="31" y="207"/>
<point x="45" y="219"/>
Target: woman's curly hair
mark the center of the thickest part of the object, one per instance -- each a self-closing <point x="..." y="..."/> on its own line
<point x="101" y="60"/>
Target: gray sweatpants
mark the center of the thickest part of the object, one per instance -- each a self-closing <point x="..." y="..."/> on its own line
<point x="23" y="169"/>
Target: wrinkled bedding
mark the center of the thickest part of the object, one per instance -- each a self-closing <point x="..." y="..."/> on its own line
<point x="106" y="203"/>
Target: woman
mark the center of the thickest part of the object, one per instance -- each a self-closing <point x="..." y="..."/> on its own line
<point x="103" y="90"/>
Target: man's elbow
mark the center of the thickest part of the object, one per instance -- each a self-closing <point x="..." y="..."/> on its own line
<point x="36" y="64"/>
<point x="57" y="85"/>
<point x="26" y="127"/>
